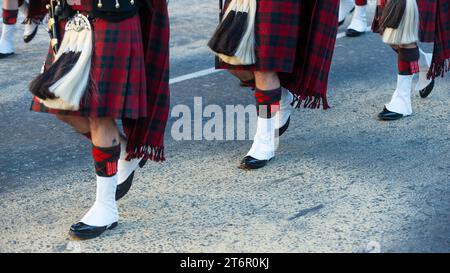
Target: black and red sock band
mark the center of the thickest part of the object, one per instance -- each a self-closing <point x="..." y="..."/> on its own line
<point x="10" y="16"/>
<point x="361" y="2"/>
<point x="267" y="102"/>
<point x="408" y="61"/>
<point x="105" y="160"/>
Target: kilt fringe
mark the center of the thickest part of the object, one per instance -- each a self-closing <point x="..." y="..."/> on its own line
<point x="439" y="68"/>
<point x="147" y="152"/>
<point x="311" y="102"/>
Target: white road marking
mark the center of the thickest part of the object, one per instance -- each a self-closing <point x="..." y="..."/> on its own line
<point x="212" y="70"/>
<point x="340" y="35"/>
<point x="194" y="75"/>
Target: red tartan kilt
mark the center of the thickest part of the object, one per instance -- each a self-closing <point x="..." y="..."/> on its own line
<point x="118" y="74"/>
<point x="428" y="13"/>
<point x="296" y="39"/>
<point x="276" y="32"/>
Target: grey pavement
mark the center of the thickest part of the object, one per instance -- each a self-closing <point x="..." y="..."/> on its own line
<point x="342" y="181"/>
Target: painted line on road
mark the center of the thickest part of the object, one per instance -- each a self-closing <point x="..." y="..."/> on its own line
<point x="340" y="35"/>
<point x="194" y="75"/>
<point x="212" y="70"/>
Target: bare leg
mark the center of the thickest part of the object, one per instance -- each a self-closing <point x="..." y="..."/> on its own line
<point x="80" y="124"/>
<point x="243" y="75"/>
<point x="268" y="95"/>
<point x="106" y="153"/>
<point x="10" y="4"/>
<point x="104" y="132"/>
<point x="267" y="80"/>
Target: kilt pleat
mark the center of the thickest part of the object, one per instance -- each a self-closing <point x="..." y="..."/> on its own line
<point x="296" y="39"/>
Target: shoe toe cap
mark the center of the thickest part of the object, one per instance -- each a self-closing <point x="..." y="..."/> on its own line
<point x="249" y="162"/>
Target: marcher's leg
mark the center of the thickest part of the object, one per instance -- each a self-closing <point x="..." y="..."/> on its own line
<point x="424" y="85"/>
<point x="400" y="104"/>
<point x="247" y="78"/>
<point x="10" y="13"/>
<point x="358" y="26"/>
<point x="80" y="124"/>
<point x="31" y="24"/>
<point x="125" y="168"/>
<point x="268" y="96"/>
<point x="103" y="214"/>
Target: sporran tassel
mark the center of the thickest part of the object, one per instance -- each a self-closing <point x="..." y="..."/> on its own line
<point x="234" y="38"/>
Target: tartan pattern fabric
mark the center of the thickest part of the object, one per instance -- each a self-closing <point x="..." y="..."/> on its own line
<point x="408" y="68"/>
<point x="296" y="39"/>
<point x="10" y="16"/>
<point x="441" y="53"/>
<point x="130" y="78"/>
<point x="267" y="102"/>
<point x="408" y="61"/>
<point x="414" y="67"/>
<point x="427" y="13"/>
<point x="106" y="160"/>
<point x="36" y="8"/>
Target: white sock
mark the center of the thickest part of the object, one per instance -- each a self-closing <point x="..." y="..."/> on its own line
<point x="401" y="100"/>
<point x="104" y="212"/>
<point x="7" y="39"/>
<point x="24" y="8"/>
<point x="424" y="59"/>
<point x="424" y="66"/>
<point x="345" y="6"/>
<point x="265" y="141"/>
<point x="359" y="21"/>
<point x="285" y="107"/>
<point x="124" y="167"/>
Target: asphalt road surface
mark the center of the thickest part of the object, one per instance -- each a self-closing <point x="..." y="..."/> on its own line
<point x="342" y="181"/>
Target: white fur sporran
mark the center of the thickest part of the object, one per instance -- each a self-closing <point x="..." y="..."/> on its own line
<point x="245" y="52"/>
<point x="408" y="30"/>
<point x="71" y="87"/>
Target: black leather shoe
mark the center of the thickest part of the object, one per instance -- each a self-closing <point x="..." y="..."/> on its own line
<point x="81" y="231"/>
<point x="353" y="33"/>
<point x="284" y="128"/>
<point x="250" y="163"/>
<point x="28" y="38"/>
<point x="427" y="90"/>
<point x="388" y="115"/>
<point x="123" y="188"/>
<point x="4" y="55"/>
